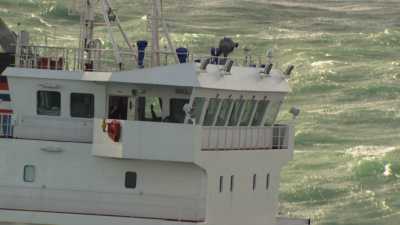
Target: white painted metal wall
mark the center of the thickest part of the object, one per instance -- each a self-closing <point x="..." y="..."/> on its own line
<point x="29" y="125"/>
<point x="72" y="180"/>
<point x="243" y="205"/>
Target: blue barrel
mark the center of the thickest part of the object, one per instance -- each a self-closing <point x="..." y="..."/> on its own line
<point x="141" y="45"/>
<point x="183" y="54"/>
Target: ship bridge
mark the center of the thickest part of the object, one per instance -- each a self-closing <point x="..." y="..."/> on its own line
<point x="185" y="108"/>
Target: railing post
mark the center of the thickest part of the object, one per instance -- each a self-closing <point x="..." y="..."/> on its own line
<point x="1" y="126"/>
<point x="6" y="125"/>
<point x="18" y="51"/>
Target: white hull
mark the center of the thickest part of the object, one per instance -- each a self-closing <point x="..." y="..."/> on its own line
<point x="73" y="181"/>
<point x="75" y="184"/>
<point x="44" y="218"/>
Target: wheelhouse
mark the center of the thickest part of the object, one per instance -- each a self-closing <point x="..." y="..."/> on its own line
<point x="46" y="100"/>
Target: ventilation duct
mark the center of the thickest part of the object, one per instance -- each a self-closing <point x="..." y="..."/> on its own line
<point x="183" y="54"/>
<point x="141" y="46"/>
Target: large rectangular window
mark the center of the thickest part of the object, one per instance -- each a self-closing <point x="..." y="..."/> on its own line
<point x="236" y="111"/>
<point x="49" y="103"/>
<point x="82" y="105"/>
<point x="176" y="113"/>
<point x="118" y="107"/>
<point x="272" y="112"/>
<point x="130" y="180"/>
<point x="224" y="112"/>
<point x="197" y="108"/>
<point x="211" y="111"/>
<point x="248" y="112"/>
<point x="260" y="112"/>
<point x="149" y="109"/>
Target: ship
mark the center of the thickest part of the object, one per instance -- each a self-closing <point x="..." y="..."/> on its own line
<point x="139" y="135"/>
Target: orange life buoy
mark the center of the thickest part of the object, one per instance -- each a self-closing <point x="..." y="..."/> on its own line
<point x="114" y="130"/>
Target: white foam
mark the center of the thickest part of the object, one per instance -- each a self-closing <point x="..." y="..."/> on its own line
<point x="323" y="63"/>
<point x="370" y="151"/>
<point x="388" y="170"/>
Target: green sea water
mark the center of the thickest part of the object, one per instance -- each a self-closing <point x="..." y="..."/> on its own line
<point x="346" y="169"/>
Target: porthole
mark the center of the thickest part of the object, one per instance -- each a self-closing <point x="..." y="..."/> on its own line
<point x="29" y="173"/>
<point x="130" y="180"/>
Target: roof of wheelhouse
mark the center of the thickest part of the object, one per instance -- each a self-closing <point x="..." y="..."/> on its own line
<point x="181" y="75"/>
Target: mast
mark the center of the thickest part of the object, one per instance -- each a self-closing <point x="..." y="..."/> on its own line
<point x="155" y="34"/>
<point x="156" y="19"/>
<point x="87" y="49"/>
<point x="87" y="19"/>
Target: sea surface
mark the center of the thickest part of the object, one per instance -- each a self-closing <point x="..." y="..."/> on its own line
<point x="346" y="169"/>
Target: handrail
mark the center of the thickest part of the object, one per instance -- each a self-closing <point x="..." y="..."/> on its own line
<point x="6" y="125"/>
<point x="245" y="138"/>
<point x="103" y="60"/>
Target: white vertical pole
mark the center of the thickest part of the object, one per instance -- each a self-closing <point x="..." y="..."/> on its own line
<point x="1" y="125"/>
<point x="18" y="51"/>
<point x="117" y="53"/>
<point x="155" y="44"/>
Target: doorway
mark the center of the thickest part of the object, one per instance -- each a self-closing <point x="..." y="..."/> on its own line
<point x="118" y="107"/>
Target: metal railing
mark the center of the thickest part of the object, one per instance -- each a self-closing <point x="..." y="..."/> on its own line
<point x="6" y="125"/>
<point x="280" y="135"/>
<point x="245" y="138"/>
<point x="103" y="60"/>
<point x="73" y="59"/>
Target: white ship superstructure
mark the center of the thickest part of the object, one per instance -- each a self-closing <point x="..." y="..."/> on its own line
<point x="96" y="136"/>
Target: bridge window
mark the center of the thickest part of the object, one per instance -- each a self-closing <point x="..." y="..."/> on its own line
<point x="29" y="173"/>
<point x="197" y="108"/>
<point x="130" y="180"/>
<point x="224" y="112"/>
<point x="177" y="115"/>
<point x="82" y="105"/>
<point x="248" y="112"/>
<point x="118" y="107"/>
<point x="267" y="182"/>
<point x="260" y="112"/>
<point x="212" y="109"/>
<point x="149" y="108"/>
<point x="236" y="111"/>
<point x="48" y="103"/>
<point x="272" y="112"/>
